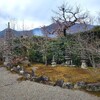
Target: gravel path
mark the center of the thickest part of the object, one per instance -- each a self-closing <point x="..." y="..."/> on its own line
<point x="10" y="89"/>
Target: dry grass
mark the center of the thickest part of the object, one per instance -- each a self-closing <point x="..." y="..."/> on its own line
<point x="21" y="79"/>
<point x="68" y="74"/>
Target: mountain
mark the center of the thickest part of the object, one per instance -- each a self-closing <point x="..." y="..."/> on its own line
<point x="50" y="29"/>
<point x="74" y="29"/>
<point x="15" y="33"/>
<point x="37" y="31"/>
<point x="79" y="28"/>
<point x="3" y="33"/>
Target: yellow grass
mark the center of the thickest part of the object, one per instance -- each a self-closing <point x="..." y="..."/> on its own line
<point x="68" y="74"/>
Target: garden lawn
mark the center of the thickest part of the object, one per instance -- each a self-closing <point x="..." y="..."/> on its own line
<point x="68" y="74"/>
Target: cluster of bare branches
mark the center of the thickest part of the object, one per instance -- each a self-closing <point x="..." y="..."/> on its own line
<point x="87" y="45"/>
<point x="67" y="16"/>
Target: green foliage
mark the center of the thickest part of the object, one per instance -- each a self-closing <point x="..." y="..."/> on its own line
<point x="35" y="56"/>
<point x="96" y="28"/>
<point x="43" y="49"/>
<point x="17" y="51"/>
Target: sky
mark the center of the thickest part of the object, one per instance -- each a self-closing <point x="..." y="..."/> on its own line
<point x="29" y="14"/>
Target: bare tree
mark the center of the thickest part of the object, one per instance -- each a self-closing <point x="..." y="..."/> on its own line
<point x="67" y="16"/>
<point x="46" y="34"/>
<point x="88" y="46"/>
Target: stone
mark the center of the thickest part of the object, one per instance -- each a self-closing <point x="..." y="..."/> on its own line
<point x="18" y="67"/>
<point x="33" y="76"/>
<point x="68" y="61"/>
<point x="42" y="79"/>
<point x="83" y="65"/>
<point x="93" y="87"/>
<point x="26" y="75"/>
<point x="6" y="61"/>
<point x="9" y="66"/>
<point x="68" y="85"/>
<point x="32" y="73"/>
<point x="14" y="69"/>
<point x="59" y="83"/>
<point x="53" y="64"/>
<point x="80" y="84"/>
<point x="21" y="70"/>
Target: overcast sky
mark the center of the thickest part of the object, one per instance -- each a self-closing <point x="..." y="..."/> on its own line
<point x="36" y="13"/>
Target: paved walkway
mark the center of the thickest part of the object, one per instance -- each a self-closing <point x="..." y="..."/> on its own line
<point x="10" y="89"/>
